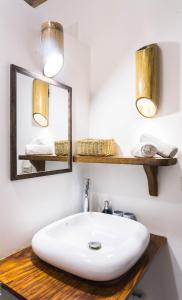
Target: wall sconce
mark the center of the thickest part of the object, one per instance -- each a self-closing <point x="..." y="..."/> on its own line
<point x="40" y="102"/>
<point x="147" y="80"/>
<point x="52" y="41"/>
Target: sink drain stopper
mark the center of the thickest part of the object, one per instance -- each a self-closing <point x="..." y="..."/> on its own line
<point x="95" y="245"/>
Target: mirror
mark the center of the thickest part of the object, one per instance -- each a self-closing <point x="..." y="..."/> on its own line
<point x="41" y="133"/>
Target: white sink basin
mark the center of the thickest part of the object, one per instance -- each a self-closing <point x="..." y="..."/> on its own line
<point x="65" y="245"/>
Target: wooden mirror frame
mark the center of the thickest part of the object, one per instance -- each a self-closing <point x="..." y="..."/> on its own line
<point x="13" y="122"/>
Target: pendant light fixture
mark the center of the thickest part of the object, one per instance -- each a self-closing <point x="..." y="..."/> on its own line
<point x="52" y="41"/>
<point x="147" y="80"/>
<point x="40" y="102"/>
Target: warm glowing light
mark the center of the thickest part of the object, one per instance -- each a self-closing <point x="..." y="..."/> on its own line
<point x="41" y="120"/>
<point x="52" y="41"/>
<point x="146" y="107"/>
<point x="53" y="64"/>
<point x="147" y="69"/>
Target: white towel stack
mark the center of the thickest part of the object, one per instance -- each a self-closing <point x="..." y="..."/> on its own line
<point x="40" y="146"/>
<point x="150" y="146"/>
<point x="163" y="149"/>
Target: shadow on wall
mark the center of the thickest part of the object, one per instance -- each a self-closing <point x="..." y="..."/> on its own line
<point x="159" y="282"/>
<point x="129" y="183"/>
<point x="168" y="263"/>
<point x="172" y="191"/>
<point x="169" y="78"/>
<point x="105" y="71"/>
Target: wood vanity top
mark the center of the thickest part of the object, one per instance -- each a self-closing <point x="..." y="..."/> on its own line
<point x="29" y="278"/>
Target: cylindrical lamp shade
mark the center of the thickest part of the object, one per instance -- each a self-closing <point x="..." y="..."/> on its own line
<point x="147" y="80"/>
<point x="40" y="102"/>
<point x="52" y="41"/>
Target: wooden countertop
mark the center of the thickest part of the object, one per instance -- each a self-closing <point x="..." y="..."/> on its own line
<point x="25" y="275"/>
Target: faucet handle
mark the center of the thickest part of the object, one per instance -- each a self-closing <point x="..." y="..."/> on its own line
<point x="86" y="195"/>
<point x="87" y="184"/>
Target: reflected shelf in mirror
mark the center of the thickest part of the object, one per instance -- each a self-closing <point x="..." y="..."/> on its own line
<point x="38" y="161"/>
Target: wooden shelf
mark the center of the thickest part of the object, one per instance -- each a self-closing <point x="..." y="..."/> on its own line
<point x="25" y="275"/>
<point x="126" y="160"/>
<point x="150" y="166"/>
<point x="38" y="161"/>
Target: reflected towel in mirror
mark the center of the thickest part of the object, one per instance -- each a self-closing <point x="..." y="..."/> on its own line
<point x="39" y="149"/>
<point x="42" y="140"/>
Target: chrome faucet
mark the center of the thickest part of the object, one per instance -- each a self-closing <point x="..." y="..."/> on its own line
<point x="86" y="195"/>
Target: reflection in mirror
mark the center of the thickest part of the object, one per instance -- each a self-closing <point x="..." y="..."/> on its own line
<point x="40" y="102"/>
<point x="42" y="133"/>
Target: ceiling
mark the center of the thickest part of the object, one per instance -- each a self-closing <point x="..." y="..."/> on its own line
<point x="90" y="21"/>
<point x="87" y="20"/>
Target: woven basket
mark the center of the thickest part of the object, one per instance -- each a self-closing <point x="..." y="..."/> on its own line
<point x="94" y="147"/>
<point x="62" y="147"/>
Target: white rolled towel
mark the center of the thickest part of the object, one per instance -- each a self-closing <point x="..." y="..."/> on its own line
<point x="32" y="149"/>
<point x="163" y="149"/>
<point x="144" y="150"/>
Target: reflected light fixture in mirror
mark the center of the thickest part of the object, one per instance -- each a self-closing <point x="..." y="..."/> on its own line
<point x="147" y="80"/>
<point x="52" y="42"/>
<point x="40" y="102"/>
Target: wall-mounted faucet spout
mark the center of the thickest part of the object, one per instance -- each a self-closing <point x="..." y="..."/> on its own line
<point x="86" y="195"/>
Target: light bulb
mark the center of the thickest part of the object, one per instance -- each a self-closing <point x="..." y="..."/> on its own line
<point x="52" y="41"/>
<point x="146" y="107"/>
<point x="53" y="64"/>
<point x="40" y="119"/>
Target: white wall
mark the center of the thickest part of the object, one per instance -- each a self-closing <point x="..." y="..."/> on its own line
<point x="27" y="205"/>
<point x="113" y="114"/>
<point x="115" y="30"/>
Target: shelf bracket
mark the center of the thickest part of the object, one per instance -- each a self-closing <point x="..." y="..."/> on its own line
<point x="152" y="172"/>
<point x="39" y="165"/>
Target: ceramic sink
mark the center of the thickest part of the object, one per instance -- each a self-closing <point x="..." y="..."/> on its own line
<point x="92" y="245"/>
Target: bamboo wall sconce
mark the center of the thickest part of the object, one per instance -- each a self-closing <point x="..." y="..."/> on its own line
<point x="147" y="80"/>
<point x="40" y="102"/>
<point x="52" y="41"/>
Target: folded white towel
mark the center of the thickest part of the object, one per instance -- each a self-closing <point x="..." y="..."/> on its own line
<point x="163" y="149"/>
<point x="42" y="141"/>
<point x="144" y="150"/>
<point x="31" y="149"/>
